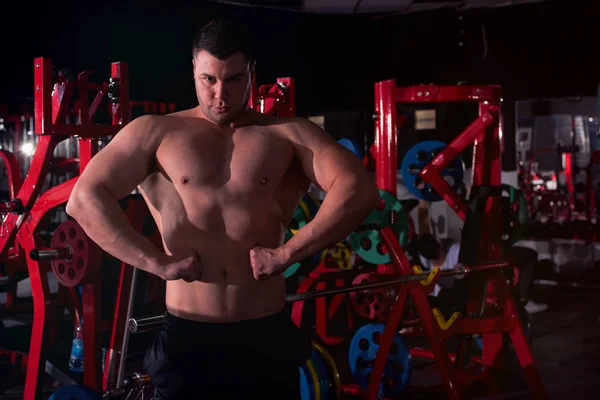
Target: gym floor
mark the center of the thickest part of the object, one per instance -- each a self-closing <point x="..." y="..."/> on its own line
<point x="566" y="346"/>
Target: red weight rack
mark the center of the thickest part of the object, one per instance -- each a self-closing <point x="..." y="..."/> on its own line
<point x="485" y="134"/>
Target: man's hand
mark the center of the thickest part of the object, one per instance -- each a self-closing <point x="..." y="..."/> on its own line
<point x="185" y="265"/>
<point x="267" y="262"/>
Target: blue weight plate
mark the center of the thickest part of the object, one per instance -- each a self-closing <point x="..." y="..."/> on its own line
<point x="305" y="384"/>
<point x="352" y="146"/>
<point x="416" y="158"/>
<point x="362" y="352"/>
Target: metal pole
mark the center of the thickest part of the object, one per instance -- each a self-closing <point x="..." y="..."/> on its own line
<point x="145" y="324"/>
<point x="123" y="357"/>
<point x="59" y="253"/>
<point x="369" y="285"/>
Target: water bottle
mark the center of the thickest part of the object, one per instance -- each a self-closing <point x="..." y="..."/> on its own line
<point x="103" y="358"/>
<point x="76" y="360"/>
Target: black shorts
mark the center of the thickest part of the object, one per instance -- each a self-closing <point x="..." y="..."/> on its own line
<point x="203" y="360"/>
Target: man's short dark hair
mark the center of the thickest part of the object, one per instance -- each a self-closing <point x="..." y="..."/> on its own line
<point x="223" y="38"/>
<point x="429" y="247"/>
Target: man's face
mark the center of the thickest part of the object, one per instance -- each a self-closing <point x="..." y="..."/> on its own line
<point x="222" y="86"/>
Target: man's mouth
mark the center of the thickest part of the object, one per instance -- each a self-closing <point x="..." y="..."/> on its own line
<point x="220" y="110"/>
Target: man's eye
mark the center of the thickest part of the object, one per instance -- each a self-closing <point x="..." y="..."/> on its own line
<point x="236" y="79"/>
<point x="209" y="79"/>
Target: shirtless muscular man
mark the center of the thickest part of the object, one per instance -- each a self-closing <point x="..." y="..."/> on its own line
<point x="222" y="182"/>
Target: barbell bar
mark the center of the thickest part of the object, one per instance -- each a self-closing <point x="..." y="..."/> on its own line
<point x="146" y="324"/>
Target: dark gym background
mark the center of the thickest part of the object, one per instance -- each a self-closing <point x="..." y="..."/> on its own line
<point x="533" y="50"/>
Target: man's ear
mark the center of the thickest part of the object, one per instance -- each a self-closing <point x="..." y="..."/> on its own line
<point x="194" y="66"/>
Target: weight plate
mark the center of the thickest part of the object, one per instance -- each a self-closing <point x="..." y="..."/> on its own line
<point x="340" y="255"/>
<point x="362" y="352"/>
<point x="322" y="372"/>
<point x="416" y="158"/>
<point x="84" y="264"/>
<point x="316" y="385"/>
<point x="367" y="242"/>
<point x="352" y="146"/>
<point x="370" y="303"/>
<point x="305" y="384"/>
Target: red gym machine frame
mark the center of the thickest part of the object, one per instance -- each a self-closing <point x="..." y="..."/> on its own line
<point x="28" y="208"/>
<point x="484" y="133"/>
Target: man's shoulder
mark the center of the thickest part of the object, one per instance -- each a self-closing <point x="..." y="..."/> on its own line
<point x="297" y="128"/>
<point x="182" y="113"/>
<point x="180" y="120"/>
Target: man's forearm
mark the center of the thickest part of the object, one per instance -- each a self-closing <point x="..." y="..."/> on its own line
<point x="103" y="220"/>
<point x="345" y="207"/>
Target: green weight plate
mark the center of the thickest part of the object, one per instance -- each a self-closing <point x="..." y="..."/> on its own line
<point x="367" y="243"/>
<point x="291" y="270"/>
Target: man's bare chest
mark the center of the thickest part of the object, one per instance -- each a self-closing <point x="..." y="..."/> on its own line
<point x="244" y="159"/>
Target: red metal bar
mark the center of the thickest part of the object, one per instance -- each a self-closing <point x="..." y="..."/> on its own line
<point x="430" y="326"/>
<point x="427" y="353"/>
<point x="303" y="287"/>
<point x="520" y="343"/>
<point x="42" y="95"/>
<point x="446" y="94"/>
<point x="385" y="136"/>
<point x="42" y="306"/>
<point x="337" y="299"/>
<point x="321" y="319"/>
<point x="286" y="104"/>
<point x="567" y="159"/>
<point x="42" y="313"/>
<point x="98" y="99"/>
<point x="385" y="343"/>
<point x="432" y="173"/>
<point x="29" y="190"/>
<point x="91" y="299"/>
<point x="121" y="110"/>
<point x="266" y="99"/>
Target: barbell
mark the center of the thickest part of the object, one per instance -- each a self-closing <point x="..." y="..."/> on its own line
<point x="146" y="324"/>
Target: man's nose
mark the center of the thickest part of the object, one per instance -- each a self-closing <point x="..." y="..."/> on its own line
<point x="220" y="91"/>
